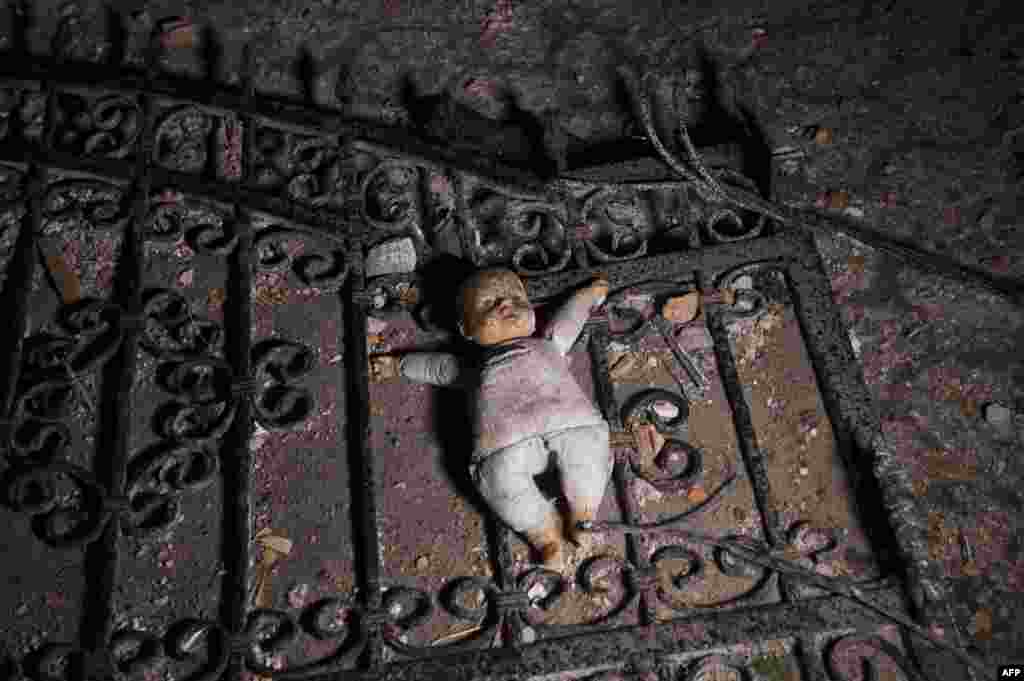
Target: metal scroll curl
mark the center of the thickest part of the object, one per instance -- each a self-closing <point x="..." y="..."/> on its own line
<point x="619" y="224"/>
<point x="281" y="249"/>
<point x="68" y="507"/>
<point x="159" y="476"/>
<point x="173" y="332"/>
<point x="543" y="226"/>
<point x="182" y="139"/>
<point x="752" y="302"/>
<point x="89" y="204"/>
<point x="97" y="126"/>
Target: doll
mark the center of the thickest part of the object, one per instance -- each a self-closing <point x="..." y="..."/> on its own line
<point x="528" y="408"/>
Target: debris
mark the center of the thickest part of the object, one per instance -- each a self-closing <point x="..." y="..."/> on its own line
<point x="999" y="416"/>
<point x="823" y="136"/>
<point x="649" y="441"/>
<point x="758" y="38"/>
<point x="696" y="494"/>
<point x="186" y="277"/>
<point x="275" y="548"/>
<point x="456" y="635"/>
<point x="70" y="286"/>
<point x="854" y="212"/>
<point x="887" y="200"/>
<point x="297" y="595"/>
<point x="833" y="200"/>
<point x="422" y="563"/>
<point x="804" y="471"/>
<point x="982" y="625"/>
<point x="665" y="410"/>
<point x="745" y="282"/>
<point x="536" y="592"/>
<point x="624" y="365"/>
<point x="178" y="32"/>
<point x="682" y="308"/>
<point x="395" y="256"/>
<point x="22" y="610"/>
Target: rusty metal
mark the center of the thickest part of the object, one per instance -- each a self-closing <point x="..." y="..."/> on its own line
<point x="103" y="145"/>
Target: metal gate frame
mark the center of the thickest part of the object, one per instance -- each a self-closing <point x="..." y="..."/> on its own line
<point x="104" y="158"/>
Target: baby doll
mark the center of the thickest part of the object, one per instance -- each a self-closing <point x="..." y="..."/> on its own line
<point x="527" y="407"/>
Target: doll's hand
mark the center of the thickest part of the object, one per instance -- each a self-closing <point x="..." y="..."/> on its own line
<point x="383" y="368"/>
<point x="599" y="289"/>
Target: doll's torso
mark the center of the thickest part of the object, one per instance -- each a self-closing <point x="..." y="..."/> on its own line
<point x="525" y="390"/>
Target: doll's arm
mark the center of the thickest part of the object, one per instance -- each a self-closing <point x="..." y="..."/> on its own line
<point x="435" y="368"/>
<point x="566" y="325"/>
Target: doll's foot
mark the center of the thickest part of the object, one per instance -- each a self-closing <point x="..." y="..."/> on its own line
<point x="548" y="543"/>
<point x="553" y="556"/>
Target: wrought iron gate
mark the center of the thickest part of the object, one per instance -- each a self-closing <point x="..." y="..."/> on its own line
<point x="298" y="203"/>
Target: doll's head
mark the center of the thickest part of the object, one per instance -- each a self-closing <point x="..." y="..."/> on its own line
<point x="492" y="308"/>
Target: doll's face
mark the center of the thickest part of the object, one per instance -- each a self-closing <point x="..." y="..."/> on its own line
<point x="495" y="308"/>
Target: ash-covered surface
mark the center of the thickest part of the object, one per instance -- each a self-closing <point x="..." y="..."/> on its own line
<point x="904" y="117"/>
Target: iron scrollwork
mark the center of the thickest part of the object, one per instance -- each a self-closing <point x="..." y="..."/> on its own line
<point x="95" y="205"/>
<point x="97" y="126"/>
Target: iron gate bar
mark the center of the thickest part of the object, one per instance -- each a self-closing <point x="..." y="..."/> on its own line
<point x="846" y="399"/>
<point x="223" y="98"/>
<point x="661" y="642"/>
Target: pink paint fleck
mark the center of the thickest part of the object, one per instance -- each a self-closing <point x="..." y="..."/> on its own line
<point x="328" y="340"/>
<point x="989" y="534"/>
<point x="758" y="38"/>
<point x="439" y="184"/>
<point x="55" y="599"/>
<point x="168" y="196"/>
<point x="186" y="277"/>
<point x="105" y="278"/>
<point x="392" y="8"/>
<point x="1015" y="579"/>
<point x="182" y="249"/>
<point x="294" y="247"/>
<point x="269" y="279"/>
<point x="927" y="312"/>
<point x="854" y="313"/>
<point x="822" y="200"/>
<point x="999" y="263"/>
<point x="951" y="216"/>
<point x="846" y="283"/>
<point x="479" y="87"/>
<point x="498" y="21"/>
<point x="303" y="295"/>
<point x="263" y="320"/>
<point x="232" y="150"/>
<point x="896" y="392"/>
<point x="887" y="200"/>
<point x="297" y="596"/>
<point x="72" y="254"/>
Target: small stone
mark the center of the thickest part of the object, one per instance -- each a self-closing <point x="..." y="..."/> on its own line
<point x="745" y="282"/>
<point x="804" y="471"/>
<point x="823" y="136"/>
<point x="998" y="415"/>
<point x="422" y="563"/>
<point x="528" y="635"/>
<point x="395" y="256"/>
<point x="22" y="610"/>
<point x="814" y="432"/>
<point x="854" y="212"/>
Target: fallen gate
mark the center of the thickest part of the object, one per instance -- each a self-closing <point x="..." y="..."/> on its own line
<point x="294" y="200"/>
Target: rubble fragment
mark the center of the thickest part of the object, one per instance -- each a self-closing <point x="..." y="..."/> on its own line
<point x="395" y="256"/>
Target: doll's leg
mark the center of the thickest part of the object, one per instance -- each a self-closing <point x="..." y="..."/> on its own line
<point x="584" y="460"/>
<point x="505" y="480"/>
